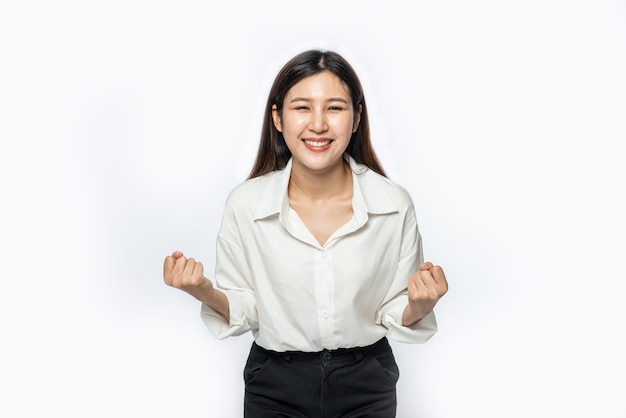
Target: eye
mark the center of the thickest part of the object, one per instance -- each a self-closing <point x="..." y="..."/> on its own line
<point x="336" y="108"/>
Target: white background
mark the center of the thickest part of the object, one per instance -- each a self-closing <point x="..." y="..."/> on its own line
<point x="124" y="125"/>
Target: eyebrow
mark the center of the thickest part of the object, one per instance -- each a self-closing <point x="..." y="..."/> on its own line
<point x="332" y="99"/>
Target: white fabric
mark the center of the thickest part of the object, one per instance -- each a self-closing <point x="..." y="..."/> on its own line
<point x="293" y="293"/>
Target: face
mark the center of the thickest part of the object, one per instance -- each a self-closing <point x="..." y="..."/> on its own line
<point x="317" y="122"/>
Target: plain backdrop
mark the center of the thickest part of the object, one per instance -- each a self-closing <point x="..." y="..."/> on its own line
<point x="125" y="124"/>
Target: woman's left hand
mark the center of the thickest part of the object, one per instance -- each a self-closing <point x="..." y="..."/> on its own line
<point x="425" y="288"/>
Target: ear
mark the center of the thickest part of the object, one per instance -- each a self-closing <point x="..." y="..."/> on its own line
<point x="357" y="119"/>
<point x="276" y="118"/>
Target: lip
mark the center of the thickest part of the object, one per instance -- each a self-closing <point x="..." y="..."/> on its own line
<point x="317" y="144"/>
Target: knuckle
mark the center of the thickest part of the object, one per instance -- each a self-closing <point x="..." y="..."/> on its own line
<point x="416" y="297"/>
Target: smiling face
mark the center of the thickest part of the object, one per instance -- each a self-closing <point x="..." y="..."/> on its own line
<point x="317" y="121"/>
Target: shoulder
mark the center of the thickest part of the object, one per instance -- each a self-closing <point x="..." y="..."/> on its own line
<point x="376" y="186"/>
<point x="247" y="190"/>
<point x="251" y="193"/>
<point x="394" y="189"/>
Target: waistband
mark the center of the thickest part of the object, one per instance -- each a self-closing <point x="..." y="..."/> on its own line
<point x="353" y="353"/>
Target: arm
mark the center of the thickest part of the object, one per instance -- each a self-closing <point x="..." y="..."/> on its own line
<point x="407" y="310"/>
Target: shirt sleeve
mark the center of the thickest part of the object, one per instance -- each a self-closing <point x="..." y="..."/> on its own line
<point x="232" y="274"/>
<point x="390" y="313"/>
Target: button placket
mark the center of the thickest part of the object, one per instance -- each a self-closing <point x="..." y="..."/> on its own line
<point x="324" y="295"/>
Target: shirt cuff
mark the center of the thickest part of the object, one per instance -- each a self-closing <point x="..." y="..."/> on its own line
<point x="220" y="326"/>
<point x="418" y="333"/>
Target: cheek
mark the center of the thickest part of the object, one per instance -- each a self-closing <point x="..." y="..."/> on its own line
<point x="345" y="125"/>
<point x="294" y="124"/>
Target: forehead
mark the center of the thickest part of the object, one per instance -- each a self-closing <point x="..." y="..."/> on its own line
<point x="321" y="85"/>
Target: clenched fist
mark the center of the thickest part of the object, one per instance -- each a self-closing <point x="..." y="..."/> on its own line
<point x="425" y="288"/>
<point x="187" y="274"/>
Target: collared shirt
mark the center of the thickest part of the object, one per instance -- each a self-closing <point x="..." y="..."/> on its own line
<point x="293" y="293"/>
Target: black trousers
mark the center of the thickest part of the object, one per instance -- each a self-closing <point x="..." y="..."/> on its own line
<point x="345" y="383"/>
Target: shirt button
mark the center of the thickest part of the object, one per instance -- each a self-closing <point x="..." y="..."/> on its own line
<point x="323" y="254"/>
<point x="325" y="315"/>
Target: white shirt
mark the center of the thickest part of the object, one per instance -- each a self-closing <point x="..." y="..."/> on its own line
<point x="293" y="293"/>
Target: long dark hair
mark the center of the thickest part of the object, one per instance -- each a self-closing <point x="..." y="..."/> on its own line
<point x="273" y="153"/>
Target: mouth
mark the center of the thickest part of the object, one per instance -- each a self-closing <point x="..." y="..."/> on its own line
<point x="317" y="144"/>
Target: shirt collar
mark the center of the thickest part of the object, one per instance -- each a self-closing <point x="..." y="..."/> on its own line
<point x="369" y="193"/>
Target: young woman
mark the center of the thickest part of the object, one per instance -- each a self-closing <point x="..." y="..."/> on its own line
<point x="318" y="255"/>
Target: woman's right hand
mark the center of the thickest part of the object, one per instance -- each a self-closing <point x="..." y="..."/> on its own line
<point x="188" y="275"/>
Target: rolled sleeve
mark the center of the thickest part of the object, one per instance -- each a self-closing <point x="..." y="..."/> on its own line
<point x="391" y="318"/>
<point x="240" y="322"/>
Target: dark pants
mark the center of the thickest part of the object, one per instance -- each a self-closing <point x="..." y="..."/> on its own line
<point x="346" y="383"/>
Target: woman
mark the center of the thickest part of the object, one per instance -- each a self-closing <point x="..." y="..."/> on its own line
<point x="318" y="255"/>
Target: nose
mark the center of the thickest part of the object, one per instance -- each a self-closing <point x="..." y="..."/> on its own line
<point x="318" y="121"/>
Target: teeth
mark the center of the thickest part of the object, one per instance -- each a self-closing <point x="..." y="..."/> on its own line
<point x="316" y="143"/>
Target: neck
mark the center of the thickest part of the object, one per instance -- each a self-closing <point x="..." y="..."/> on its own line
<point x="335" y="182"/>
